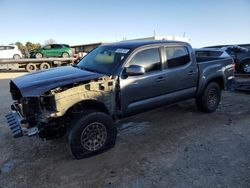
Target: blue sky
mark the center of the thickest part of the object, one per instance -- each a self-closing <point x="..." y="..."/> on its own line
<point x="84" y="21"/>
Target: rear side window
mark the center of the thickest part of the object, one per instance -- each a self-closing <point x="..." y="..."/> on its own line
<point x="47" y="47"/>
<point x="177" y="56"/>
<point x="149" y="59"/>
<point x="56" y="46"/>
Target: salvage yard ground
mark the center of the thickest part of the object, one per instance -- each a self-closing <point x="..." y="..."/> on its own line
<point x="175" y="146"/>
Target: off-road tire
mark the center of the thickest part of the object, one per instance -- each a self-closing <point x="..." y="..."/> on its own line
<point x="30" y="67"/>
<point x="79" y="128"/>
<point x="210" y="99"/>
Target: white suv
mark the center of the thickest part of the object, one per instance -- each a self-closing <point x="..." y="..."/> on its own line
<point x="9" y="52"/>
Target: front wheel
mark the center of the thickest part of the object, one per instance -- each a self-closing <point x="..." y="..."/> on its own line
<point x="210" y="99"/>
<point x="91" y="133"/>
<point x="38" y="55"/>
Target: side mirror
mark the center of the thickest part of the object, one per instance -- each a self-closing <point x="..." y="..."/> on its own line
<point x="134" y="70"/>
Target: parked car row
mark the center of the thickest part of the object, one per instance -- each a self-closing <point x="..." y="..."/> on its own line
<point x="53" y="50"/>
<point x="240" y="53"/>
<point x="10" y="52"/>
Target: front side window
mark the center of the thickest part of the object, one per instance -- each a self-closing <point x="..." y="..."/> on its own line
<point x="149" y="59"/>
<point x="177" y="56"/>
<point x="47" y="47"/>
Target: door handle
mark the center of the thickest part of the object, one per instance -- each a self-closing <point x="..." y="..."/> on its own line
<point x="190" y="72"/>
<point x="159" y="79"/>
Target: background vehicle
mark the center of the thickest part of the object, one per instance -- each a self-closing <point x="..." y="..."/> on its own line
<point x="241" y="55"/>
<point x="52" y="50"/>
<point x="31" y="65"/>
<point x="112" y="82"/>
<point x="210" y="52"/>
<point x="10" y="52"/>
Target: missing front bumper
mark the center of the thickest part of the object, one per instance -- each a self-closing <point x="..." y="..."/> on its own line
<point x="14" y="120"/>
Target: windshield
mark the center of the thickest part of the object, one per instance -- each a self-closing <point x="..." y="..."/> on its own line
<point x="103" y="59"/>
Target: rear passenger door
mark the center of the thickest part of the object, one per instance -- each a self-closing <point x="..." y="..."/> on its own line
<point x="180" y="71"/>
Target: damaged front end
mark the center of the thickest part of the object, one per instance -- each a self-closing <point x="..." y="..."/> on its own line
<point x="45" y="115"/>
<point x="23" y="114"/>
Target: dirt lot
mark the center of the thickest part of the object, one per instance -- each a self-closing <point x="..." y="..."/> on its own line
<point x="175" y="146"/>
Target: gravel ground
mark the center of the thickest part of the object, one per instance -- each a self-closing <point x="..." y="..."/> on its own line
<point x="175" y="146"/>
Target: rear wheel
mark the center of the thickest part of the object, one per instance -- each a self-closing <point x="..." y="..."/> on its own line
<point x="44" y="66"/>
<point x="39" y="55"/>
<point x="31" y="67"/>
<point x="65" y="55"/>
<point x="16" y="56"/>
<point x="91" y="133"/>
<point x="210" y="99"/>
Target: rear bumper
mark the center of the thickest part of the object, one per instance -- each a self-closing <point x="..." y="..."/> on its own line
<point x="14" y="122"/>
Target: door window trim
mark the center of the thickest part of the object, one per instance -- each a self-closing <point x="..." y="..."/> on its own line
<point x="140" y="49"/>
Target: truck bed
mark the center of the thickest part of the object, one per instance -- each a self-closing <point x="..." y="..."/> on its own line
<point x="215" y="67"/>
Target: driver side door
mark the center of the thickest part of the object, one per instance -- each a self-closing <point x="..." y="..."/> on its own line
<point x="140" y="92"/>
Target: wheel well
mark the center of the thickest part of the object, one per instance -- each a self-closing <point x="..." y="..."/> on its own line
<point x="90" y="105"/>
<point x="65" y="52"/>
<point x="218" y="80"/>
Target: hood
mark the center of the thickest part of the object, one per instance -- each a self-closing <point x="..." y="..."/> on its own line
<point x="35" y="84"/>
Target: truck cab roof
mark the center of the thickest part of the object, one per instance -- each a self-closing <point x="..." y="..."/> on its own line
<point x="138" y="43"/>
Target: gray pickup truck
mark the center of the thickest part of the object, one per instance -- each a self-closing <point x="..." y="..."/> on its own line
<point x="112" y="82"/>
